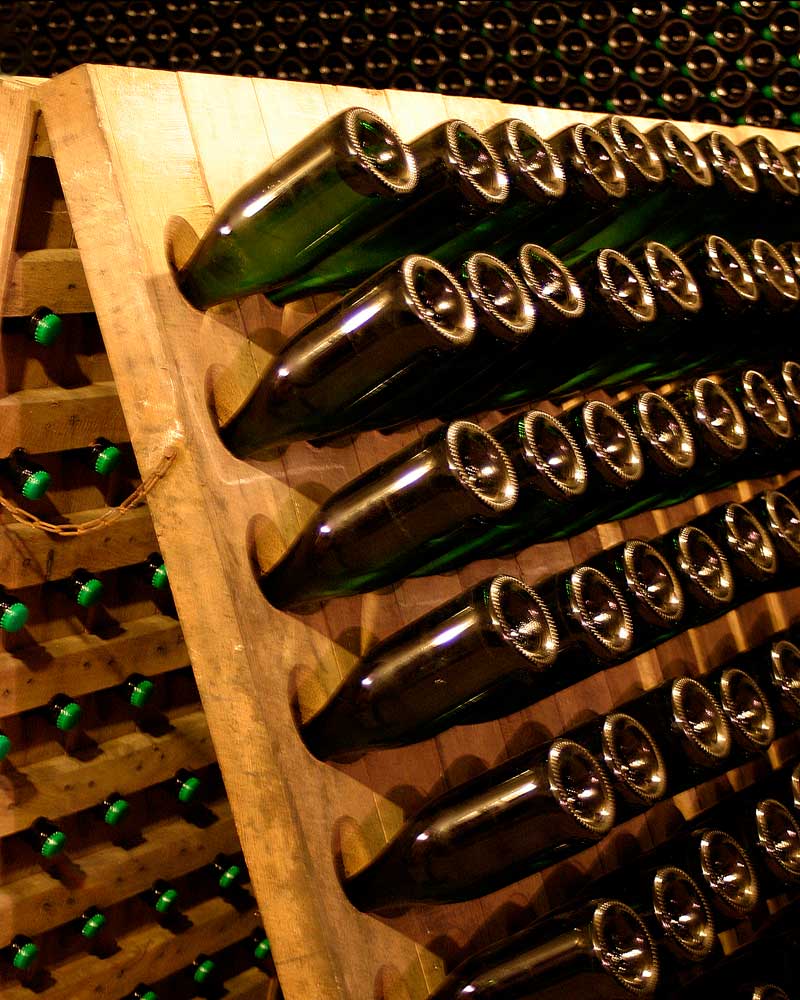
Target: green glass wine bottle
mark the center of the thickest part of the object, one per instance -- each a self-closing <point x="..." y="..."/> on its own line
<point x="44" y="326"/>
<point x="376" y="346"/>
<point x="26" y="476"/>
<point x="423" y="502"/>
<point x="322" y="195"/>
<point x="13" y="612"/>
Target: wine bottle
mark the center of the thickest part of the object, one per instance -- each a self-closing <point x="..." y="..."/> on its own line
<point x="624" y="41"/>
<point x="703" y="13"/>
<point x="114" y="812"/>
<point x="142" y="992"/>
<point x="20" y="956"/>
<point x="632" y="758"/>
<point x="102" y="456"/>
<point x="228" y="873"/>
<point x="777" y="835"/>
<point x="649" y="15"/>
<point x="136" y="690"/>
<point x="755" y="11"/>
<point x="760" y="59"/>
<point x="746" y="544"/>
<point x="768" y="419"/>
<point x="781" y="518"/>
<point x="6" y="746"/>
<point x="509" y="822"/>
<point x="602" y="948"/>
<point x="44" y="326"/>
<point x="747" y="709"/>
<point x="46" y="839"/>
<point x="644" y="169"/>
<point x="26" y="476"/>
<point x="651" y="70"/>
<point x="422" y="502"/>
<point x="597" y="17"/>
<point x="775" y="665"/>
<point x="704" y="572"/>
<point x="186" y="786"/>
<point x="730" y="35"/>
<point x="84" y="588"/>
<point x="676" y="37"/>
<point x="370" y="347"/>
<point x="276" y="232"/>
<point x="156" y="572"/>
<point x="162" y="899"/>
<point x="524" y="51"/>
<point x="63" y="712"/>
<point x="702" y="64"/>
<point x="13" y="612"/>
<point x="784" y="87"/>
<point x="778" y="182"/>
<point x="679" y="96"/>
<point x="548" y="20"/>
<point x="777" y="284"/>
<point x="90" y="932"/>
<point x="573" y="46"/>
<point x="628" y="98"/>
<point x="412" y="684"/>
<point x="689" y="725"/>
<point x="461" y="182"/>
<point x="788" y="381"/>
<point x="783" y="28"/>
<point x="599" y="73"/>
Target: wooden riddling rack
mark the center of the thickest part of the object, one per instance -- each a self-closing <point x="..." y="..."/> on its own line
<point x="53" y="401"/>
<point x="135" y="149"/>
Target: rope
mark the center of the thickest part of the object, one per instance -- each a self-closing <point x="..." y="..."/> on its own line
<point x="107" y="517"/>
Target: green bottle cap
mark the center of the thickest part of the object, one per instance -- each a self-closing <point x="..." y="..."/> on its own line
<point x="36" y="484"/>
<point x="609" y="105"/>
<point x="558" y="55"/>
<point x="25" y="955"/>
<point x="53" y="844"/>
<point x="262" y="949"/>
<point x="5" y="746"/>
<point x="90" y="592"/>
<point x="661" y="102"/>
<point x="107" y="460"/>
<point x="607" y="49"/>
<point x="230" y="876"/>
<point x="794" y="60"/>
<point x="582" y="22"/>
<point x="737" y="8"/>
<point x="116" y="812"/>
<point x="188" y="789"/>
<point x="633" y="74"/>
<point x="148" y="995"/>
<point x="684" y="70"/>
<point x="204" y="970"/>
<point x="767" y="34"/>
<point x="741" y="120"/>
<point x="141" y="693"/>
<point x="711" y="39"/>
<point x="713" y="97"/>
<point x="160" y="579"/>
<point x="794" y="118"/>
<point x="48" y="329"/>
<point x="740" y="64"/>
<point x="165" y="900"/>
<point x="14" y="617"/>
<point x="93" y="925"/>
<point x="768" y="91"/>
<point x="658" y="44"/>
<point x="68" y="716"/>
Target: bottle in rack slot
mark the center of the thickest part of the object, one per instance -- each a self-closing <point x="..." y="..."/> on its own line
<point x="13" y="613"/>
<point x="776" y="668"/>
<point x="277" y="231"/>
<point x="747" y="709"/>
<point x="63" y="712"/>
<point x="746" y="544"/>
<point x="371" y="348"/>
<point x="162" y="899"/>
<point x="142" y="992"/>
<point x="90" y="932"/>
<point x="200" y="979"/>
<point x="419" y="680"/>
<point x="768" y="419"/>
<point x="6" y="746"/>
<point x="44" y="326"/>
<point x="651" y="70"/>
<point x="423" y="502"/>
<point x="573" y="47"/>
<point x="26" y="476"/>
<point x="509" y="822"/>
<point x="703" y="64"/>
<point x="649" y="15"/>
<point x="123" y="826"/>
<point x="777" y="284"/>
<point x="103" y="456"/>
<point x="261" y="949"/>
<point x="85" y="589"/>
<point x="20" y="957"/>
<point x="602" y="948"/>
<point x="704" y="572"/>
<point x="624" y="41"/>
<point x="46" y="839"/>
<point x="760" y="59"/>
<point x="781" y="517"/>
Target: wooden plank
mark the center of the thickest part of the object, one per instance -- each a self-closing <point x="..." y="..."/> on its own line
<point x="17" y="124"/>
<point x="83" y="663"/>
<point x="33" y="556"/>
<point x="134" y="149"/>
<point x="62" y="785"/>
<point x="56" y="419"/>
<point x="252" y="984"/>
<point x="149" y="952"/>
<point x="111" y="874"/>
<point x="53" y="278"/>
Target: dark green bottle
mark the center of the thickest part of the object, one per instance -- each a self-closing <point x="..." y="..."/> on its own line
<point x="275" y="234"/>
<point x="371" y="348"/>
<point x="63" y="712"/>
<point x="137" y="691"/>
<point x="13" y="613"/>
<point x="788" y="383"/>
<point x="162" y="899"/>
<point x="103" y="456"/>
<point x="423" y="502"/>
<point x="768" y="419"/>
<point x="601" y="949"/>
<point x="142" y="992"/>
<point x="760" y="59"/>
<point x="26" y="476"/>
<point x="777" y="285"/>
<point x="775" y="666"/>
<point x="419" y="680"/>
<point x="781" y="517"/>
<point x="461" y="182"/>
<point x="85" y="589"/>
<point x="6" y="746"/>
<point x="21" y="956"/>
<point x="44" y="326"/>
<point x="90" y="931"/>
<point x="645" y="171"/>
<point x="509" y="822"/>
<point x="748" y="711"/>
<point x="779" y="185"/>
<point x="704" y="572"/>
<point x="46" y="839"/>
<point x="747" y="547"/>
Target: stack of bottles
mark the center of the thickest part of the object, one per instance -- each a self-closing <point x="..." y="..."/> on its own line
<point x="485" y="272"/>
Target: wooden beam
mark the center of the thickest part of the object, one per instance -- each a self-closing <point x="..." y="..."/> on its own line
<point x="252" y="984"/>
<point x="63" y="785"/>
<point x="56" y="419"/>
<point x="52" y="277"/>
<point x="17" y="126"/>
<point x="85" y="662"/>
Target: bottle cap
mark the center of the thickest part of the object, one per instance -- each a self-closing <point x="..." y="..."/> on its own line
<point x="188" y="789"/>
<point x="107" y="460"/>
<point x="159" y="579"/>
<point x="262" y="948"/>
<point x="165" y="900"/>
<point x="48" y="329"/>
<point x="141" y="692"/>
<point x="768" y="92"/>
<point x="92" y="927"/>
<point x="13" y="617"/>
<point x="25" y="955"/>
<point x="90" y="593"/>
<point x="230" y="876"/>
<point x="68" y="716"/>
<point x="5" y="746"/>
<point x="53" y="844"/>
<point x="36" y="484"/>
<point x="204" y="970"/>
<point x="116" y="812"/>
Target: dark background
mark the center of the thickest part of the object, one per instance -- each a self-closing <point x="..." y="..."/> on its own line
<point x="513" y="51"/>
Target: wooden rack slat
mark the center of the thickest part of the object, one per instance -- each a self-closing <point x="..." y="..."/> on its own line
<point x="83" y="663"/>
<point x="53" y="278"/>
<point x="30" y="556"/>
<point x="37" y="902"/>
<point x="56" y="419"/>
<point x="124" y="183"/>
<point x="252" y="984"/>
<point x="62" y="785"/>
<point x="150" y="952"/>
<point x="17" y="123"/>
